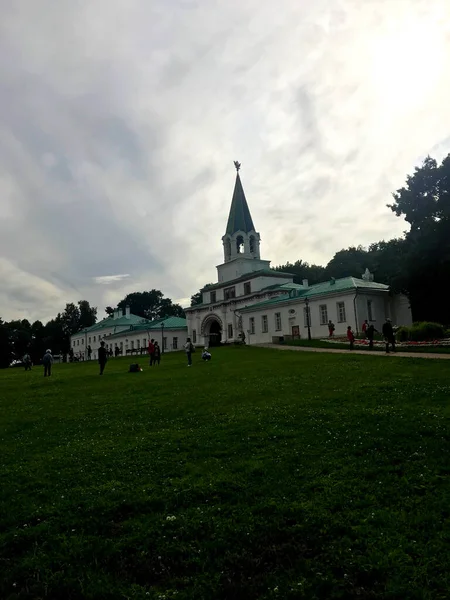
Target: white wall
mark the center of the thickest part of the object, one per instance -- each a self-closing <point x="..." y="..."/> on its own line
<point x="80" y="341"/>
<point x="240" y="266"/>
<point x="380" y="309"/>
<point x="138" y="339"/>
<point x="401" y="310"/>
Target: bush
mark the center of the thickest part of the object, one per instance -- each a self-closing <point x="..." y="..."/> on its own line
<point x="421" y="332"/>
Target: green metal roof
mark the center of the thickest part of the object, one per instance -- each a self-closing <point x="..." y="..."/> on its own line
<point x="319" y="289"/>
<point x="170" y="323"/>
<point x="240" y="218"/>
<point x="111" y="322"/>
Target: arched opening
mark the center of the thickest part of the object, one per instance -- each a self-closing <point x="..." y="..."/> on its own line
<point x="252" y="243"/>
<point x="240" y="244"/>
<point x="215" y="333"/>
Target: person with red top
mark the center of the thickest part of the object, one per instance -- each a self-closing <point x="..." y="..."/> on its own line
<point x="350" y="337"/>
<point x="364" y="327"/>
<point x="151" y="351"/>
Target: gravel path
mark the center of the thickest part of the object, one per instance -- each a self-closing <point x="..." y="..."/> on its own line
<point x="364" y="352"/>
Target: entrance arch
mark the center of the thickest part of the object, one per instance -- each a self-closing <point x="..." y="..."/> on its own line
<point x="212" y="330"/>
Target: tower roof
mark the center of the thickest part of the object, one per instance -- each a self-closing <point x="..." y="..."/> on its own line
<point x="240" y="218"/>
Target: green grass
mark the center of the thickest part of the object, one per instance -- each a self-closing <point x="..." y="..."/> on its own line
<point x="263" y="474"/>
<point x="344" y="346"/>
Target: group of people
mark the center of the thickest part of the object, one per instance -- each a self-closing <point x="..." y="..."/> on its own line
<point x="154" y="352"/>
<point x="369" y="331"/>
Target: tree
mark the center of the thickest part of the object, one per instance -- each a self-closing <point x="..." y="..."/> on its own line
<point x="303" y="270"/>
<point x="88" y="314"/>
<point x="151" y="305"/>
<point x="6" y="349"/>
<point x="20" y="337"/>
<point x="109" y="311"/>
<point x="196" y="299"/>
<point x="424" y="202"/>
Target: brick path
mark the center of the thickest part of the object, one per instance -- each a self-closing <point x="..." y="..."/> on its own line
<point x="364" y="352"/>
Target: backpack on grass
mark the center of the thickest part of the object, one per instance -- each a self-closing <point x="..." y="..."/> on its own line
<point x="135" y="368"/>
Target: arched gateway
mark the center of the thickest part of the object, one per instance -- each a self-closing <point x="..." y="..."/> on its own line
<point x="212" y="330"/>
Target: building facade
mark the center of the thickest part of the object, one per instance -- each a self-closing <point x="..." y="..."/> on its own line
<point x="130" y="334"/>
<point x="264" y="305"/>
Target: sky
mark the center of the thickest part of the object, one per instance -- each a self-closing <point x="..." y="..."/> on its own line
<point x="120" y="121"/>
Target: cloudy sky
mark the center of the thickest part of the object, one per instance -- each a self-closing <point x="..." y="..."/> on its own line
<point x="120" y="121"/>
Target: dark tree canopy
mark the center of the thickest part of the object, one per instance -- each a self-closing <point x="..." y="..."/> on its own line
<point x="151" y="305"/>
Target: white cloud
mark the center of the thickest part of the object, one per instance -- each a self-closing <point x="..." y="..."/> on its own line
<point x="109" y="279"/>
<point x="120" y="121"/>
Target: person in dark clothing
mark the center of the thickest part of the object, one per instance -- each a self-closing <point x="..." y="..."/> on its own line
<point x="47" y="361"/>
<point x="89" y="352"/>
<point x="370" y="332"/>
<point x="388" y="334"/>
<point x="102" y="357"/>
<point x="350" y="336"/>
<point x="156" y="354"/>
<point x="116" y="351"/>
<point x="27" y="362"/>
<point x="151" y="351"/>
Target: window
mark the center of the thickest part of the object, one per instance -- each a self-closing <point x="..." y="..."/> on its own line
<point x="175" y="343"/>
<point x="277" y="321"/>
<point x="264" y="324"/>
<point x="74" y="342"/>
<point x="252" y="243"/>
<point x="121" y="344"/>
<point x="306" y="316"/>
<point x="89" y="340"/>
<point x="138" y="344"/>
<point x="251" y="324"/>
<point x="213" y="297"/>
<point x="230" y="293"/>
<point x="94" y="338"/>
<point x="144" y="343"/>
<point x="240" y="244"/>
<point x="82" y="342"/>
<point x="78" y="342"/>
<point x="247" y="288"/>
<point x="132" y="344"/>
<point x="323" y="312"/>
<point x="230" y="331"/>
<point x="341" y="312"/>
<point x="164" y="343"/>
<point x="194" y="336"/>
<point x="370" y="310"/>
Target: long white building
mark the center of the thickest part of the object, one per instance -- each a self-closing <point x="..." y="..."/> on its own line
<point x="265" y="305"/>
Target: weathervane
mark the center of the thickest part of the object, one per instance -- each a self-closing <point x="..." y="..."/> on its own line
<point x="237" y="165"/>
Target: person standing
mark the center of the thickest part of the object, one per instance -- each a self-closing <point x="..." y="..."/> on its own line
<point x="350" y="337"/>
<point x="89" y="352"/>
<point x="370" y="335"/>
<point x="389" y="337"/>
<point x="47" y="361"/>
<point x="364" y="327"/>
<point x="189" y="348"/>
<point x="156" y="354"/>
<point x="330" y="328"/>
<point x="102" y="357"/>
<point x="27" y="362"/>
<point x="151" y="351"/>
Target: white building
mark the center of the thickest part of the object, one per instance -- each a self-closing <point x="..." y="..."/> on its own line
<point x="130" y="334"/>
<point x="266" y="305"/>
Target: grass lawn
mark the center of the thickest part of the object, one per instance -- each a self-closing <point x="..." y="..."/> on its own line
<point x="344" y="346"/>
<point x="263" y="474"/>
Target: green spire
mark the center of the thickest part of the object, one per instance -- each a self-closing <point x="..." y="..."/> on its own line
<point x="240" y="218"/>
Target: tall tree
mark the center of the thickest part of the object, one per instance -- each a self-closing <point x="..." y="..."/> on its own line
<point x="6" y="348"/>
<point x="303" y="270"/>
<point x="88" y="314"/>
<point x="151" y="305"/>
<point x="424" y="202"/>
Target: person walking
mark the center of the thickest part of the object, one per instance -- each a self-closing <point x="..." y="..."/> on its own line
<point x="27" y="362"/>
<point x="151" y="350"/>
<point x="388" y="334"/>
<point x="370" y="335"/>
<point x="102" y="357"/>
<point x="331" y="328"/>
<point x="47" y="361"/>
<point x="156" y="354"/>
<point x="189" y="349"/>
<point x="350" y="336"/>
